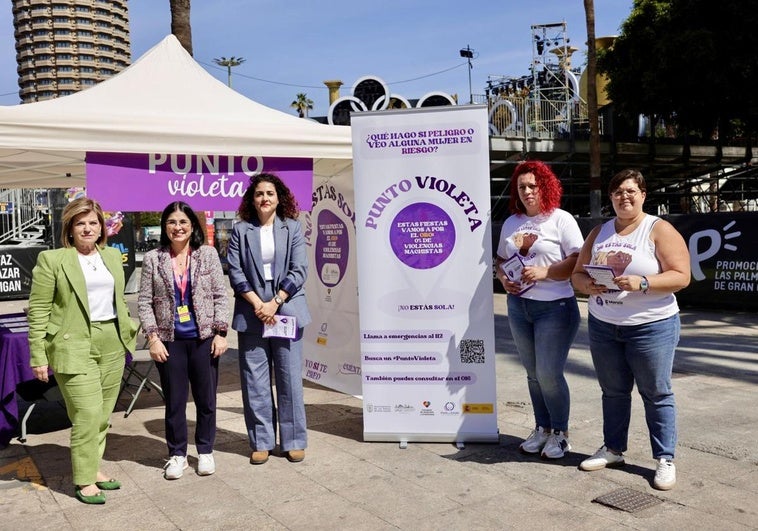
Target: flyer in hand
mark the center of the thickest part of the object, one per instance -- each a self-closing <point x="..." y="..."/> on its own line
<point x="512" y="268"/>
<point x="603" y="275"/>
<point x="285" y="326"/>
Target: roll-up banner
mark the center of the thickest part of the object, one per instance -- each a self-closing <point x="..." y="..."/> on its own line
<point x="331" y="350"/>
<point x="422" y="202"/>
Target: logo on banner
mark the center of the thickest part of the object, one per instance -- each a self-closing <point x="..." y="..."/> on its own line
<point x="449" y="409"/>
<point x="479" y="409"/>
<point x="332" y="248"/>
<point x="422" y="236"/>
<point x="426" y="410"/>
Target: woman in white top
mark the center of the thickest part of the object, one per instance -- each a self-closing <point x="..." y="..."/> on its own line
<point x="267" y="271"/>
<point x="80" y="329"/>
<point x="538" y="247"/>
<point x="634" y="325"/>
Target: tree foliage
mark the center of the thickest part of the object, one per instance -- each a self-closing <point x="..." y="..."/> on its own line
<point x="690" y="62"/>
<point x="302" y="103"/>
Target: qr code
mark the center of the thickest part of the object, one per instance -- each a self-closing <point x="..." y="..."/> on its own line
<point x="472" y="350"/>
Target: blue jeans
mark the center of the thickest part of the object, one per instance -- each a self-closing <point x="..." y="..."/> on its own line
<point x="543" y="332"/>
<point x="644" y="354"/>
<point x="258" y="358"/>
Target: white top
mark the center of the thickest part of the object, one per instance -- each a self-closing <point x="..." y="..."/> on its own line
<point x="267" y="250"/>
<point x="100" y="287"/>
<point x="633" y="254"/>
<point x="542" y="240"/>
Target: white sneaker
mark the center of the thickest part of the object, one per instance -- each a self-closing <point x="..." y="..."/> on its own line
<point x="205" y="465"/>
<point x="665" y="475"/>
<point x="557" y="445"/>
<point x="536" y="440"/>
<point x="175" y="467"/>
<point x="601" y="459"/>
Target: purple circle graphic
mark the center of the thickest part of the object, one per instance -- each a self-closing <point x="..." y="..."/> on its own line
<point x="422" y="235"/>
<point x="332" y="248"/>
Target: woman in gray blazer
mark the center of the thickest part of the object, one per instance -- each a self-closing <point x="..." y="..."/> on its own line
<point x="267" y="271"/>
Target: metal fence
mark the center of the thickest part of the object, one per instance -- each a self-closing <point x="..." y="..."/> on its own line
<point x="536" y="117"/>
<point x="24" y="217"/>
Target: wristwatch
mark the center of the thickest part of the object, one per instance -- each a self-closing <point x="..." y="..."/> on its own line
<point x="221" y="333"/>
<point x="278" y="299"/>
<point x="644" y="285"/>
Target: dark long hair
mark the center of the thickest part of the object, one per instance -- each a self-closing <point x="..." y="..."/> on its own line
<point x="197" y="236"/>
<point x="548" y="184"/>
<point x="287" y="207"/>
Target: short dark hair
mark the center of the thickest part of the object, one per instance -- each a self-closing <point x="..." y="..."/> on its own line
<point x="622" y="176"/>
<point x="197" y="236"/>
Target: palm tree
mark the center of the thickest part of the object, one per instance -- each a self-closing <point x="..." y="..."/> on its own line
<point x="303" y="104"/>
<point x="592" y="112"/>
<point x="180" y="23"/>
<point x="229" y="63"/>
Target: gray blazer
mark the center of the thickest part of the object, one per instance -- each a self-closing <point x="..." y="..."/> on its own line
<point x="290" y="269"/>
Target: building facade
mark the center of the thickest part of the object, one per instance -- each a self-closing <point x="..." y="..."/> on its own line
<point x="64" y="46"/>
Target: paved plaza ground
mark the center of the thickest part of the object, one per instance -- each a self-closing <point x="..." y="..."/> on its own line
<point x="345" y="483"/>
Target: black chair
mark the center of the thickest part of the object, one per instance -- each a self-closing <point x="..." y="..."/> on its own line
<point x="34" y="392"/>
<point x="137" y="377"/>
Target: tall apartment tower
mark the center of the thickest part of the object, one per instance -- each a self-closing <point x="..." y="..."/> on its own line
<point x="64" y="46"/>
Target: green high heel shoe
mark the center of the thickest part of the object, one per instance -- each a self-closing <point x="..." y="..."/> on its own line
<point x="96" y="499"/>
<point x="110" y="484"/>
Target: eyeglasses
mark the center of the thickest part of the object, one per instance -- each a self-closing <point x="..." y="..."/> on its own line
<point x="618" y="194"/>
<point x="181" y="222"/>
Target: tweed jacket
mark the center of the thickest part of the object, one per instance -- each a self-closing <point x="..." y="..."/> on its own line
<point x="157" y="303"/>
<point x="290" y="269"/>
<point x="60" y="330"/>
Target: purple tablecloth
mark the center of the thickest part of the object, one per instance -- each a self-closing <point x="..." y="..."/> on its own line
<point x="14" y="369"/>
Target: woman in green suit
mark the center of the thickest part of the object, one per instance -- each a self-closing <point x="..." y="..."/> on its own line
<point x="80" y="329"/>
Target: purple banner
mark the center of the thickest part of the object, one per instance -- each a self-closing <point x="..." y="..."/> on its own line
<point x="134" y="182"/>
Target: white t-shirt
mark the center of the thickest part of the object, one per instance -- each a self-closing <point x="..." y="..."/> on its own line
<point x="267" y="251"/>
<point x="100" y="287"/>
<point x="633" y="254"/>
<point x="542" y="240"/>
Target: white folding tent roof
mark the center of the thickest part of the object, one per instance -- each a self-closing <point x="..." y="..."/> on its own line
<point x="163" y="103"/>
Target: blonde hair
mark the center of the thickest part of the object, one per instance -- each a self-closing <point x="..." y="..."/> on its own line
<point x="83" y="205"/>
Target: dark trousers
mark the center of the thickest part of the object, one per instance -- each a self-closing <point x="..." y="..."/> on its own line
<point x="189" y="360"/>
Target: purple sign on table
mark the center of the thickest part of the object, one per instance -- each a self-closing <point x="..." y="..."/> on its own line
<point x="138" y="182"/>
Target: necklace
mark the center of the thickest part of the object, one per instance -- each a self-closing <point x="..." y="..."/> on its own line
<point x="92" y="263"/>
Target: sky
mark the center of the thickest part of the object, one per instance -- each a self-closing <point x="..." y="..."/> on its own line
<point x="293" y="46"/>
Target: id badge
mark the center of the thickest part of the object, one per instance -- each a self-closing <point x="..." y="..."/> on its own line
<point x="183" y="313"/>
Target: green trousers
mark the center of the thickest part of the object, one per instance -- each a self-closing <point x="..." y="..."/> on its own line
<point x="90" y="399"/>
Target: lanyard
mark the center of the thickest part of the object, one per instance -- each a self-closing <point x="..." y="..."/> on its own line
<point x="181" y="279"/>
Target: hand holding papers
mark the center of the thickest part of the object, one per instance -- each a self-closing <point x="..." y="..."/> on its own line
<point x="603" y="275"/>
<point x="512" y="268"/>
<point x="285" y="326"/>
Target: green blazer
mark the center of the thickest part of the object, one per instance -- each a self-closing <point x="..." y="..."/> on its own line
<point x="59" y="316"/>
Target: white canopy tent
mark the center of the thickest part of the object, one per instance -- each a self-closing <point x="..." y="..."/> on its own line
<point x="163" y="103"/>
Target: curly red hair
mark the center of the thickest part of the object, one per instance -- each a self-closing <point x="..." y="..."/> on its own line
<point x="549" y="186"/>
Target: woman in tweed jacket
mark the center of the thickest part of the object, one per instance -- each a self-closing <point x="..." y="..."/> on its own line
<point x="183" y="308"/>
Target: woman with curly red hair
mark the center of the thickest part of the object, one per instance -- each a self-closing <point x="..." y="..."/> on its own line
<point x="539" y="244"/>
